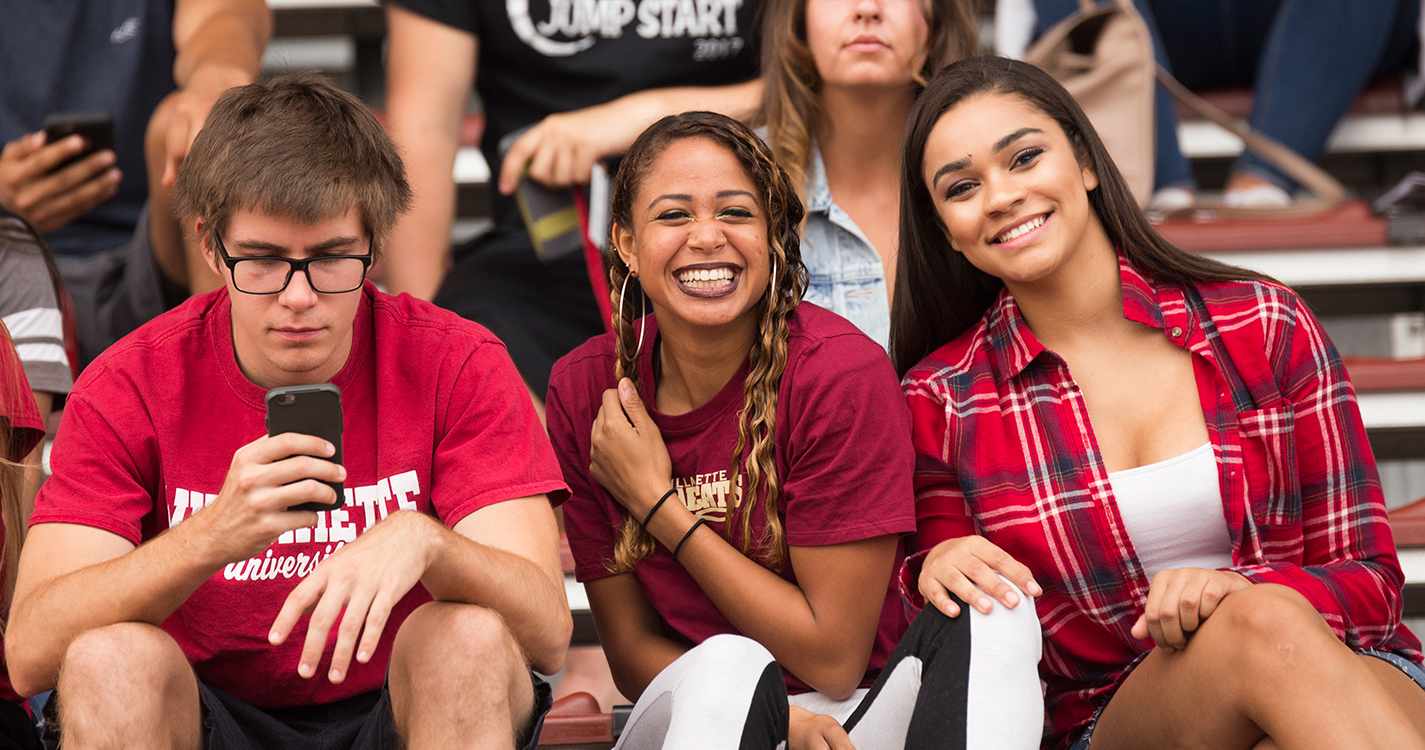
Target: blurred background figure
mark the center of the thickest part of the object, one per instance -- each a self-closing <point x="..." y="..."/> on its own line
<point x="33" y="308"/>
<point x="155" y="66"/>
<point x="21" y="431"/>
<point x="1305" y="60"/>
<point x="584" y="87"/>
<point x="840" y="78"/>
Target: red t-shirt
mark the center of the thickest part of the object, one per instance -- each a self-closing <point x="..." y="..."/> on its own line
<point x="21" y="417"/>
<point x="843" y="453"/>
<point x="436" y="420"/>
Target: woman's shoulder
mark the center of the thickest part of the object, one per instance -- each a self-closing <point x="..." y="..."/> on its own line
<point x="956" y="363"/>
<point x="588" y="367"/>
<point x="817" y="332"/>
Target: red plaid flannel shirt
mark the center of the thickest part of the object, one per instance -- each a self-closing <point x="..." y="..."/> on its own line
<point x="1004" y="449"/>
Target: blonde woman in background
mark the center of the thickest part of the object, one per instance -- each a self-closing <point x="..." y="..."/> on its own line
<point x="840" y="77"/>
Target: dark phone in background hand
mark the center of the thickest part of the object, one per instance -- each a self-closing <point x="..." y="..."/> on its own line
<point x="97" y="129"/>
<point x="550" y="215"/>
<point x="309" y="410"/>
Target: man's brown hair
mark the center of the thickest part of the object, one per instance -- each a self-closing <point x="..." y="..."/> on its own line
<point x="295" y="146"/>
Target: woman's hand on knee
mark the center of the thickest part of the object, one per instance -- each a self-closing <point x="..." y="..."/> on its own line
<point x="809" y="731"/>
<point x="971" y="567"/>
<point x="1180" y="600"/>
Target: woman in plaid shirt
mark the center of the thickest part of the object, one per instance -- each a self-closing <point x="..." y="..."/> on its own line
<point x="1167" y="445"/>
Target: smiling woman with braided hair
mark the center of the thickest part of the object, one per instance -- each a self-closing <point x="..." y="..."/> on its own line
<point x="741" y="471"/>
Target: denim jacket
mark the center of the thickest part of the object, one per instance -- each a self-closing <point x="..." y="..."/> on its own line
<point x="846" y="273"/>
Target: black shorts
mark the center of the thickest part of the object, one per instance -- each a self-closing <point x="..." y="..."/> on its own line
<point x="362" y="722"/>
<point x="17" y="731"/>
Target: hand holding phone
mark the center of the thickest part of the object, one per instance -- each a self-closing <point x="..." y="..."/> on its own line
<point x="96" y="128"/>
<point x="309" y="410"/>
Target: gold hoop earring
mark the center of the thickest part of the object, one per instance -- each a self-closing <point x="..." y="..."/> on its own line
<point x="643" y="307"/>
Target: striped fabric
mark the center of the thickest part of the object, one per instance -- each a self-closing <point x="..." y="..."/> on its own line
<point x="1004" y="449"/>
<point x="30" y="309"/>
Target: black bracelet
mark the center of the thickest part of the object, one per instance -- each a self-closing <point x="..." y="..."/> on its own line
<point x="684" y="540"/>
<point x="656" y="506"/>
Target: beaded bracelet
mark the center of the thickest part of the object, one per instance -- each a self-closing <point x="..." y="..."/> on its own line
<point x="656" y="506"/>
<point x="684" y="540"/>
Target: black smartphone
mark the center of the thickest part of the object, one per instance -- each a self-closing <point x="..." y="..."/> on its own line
<point x="309" y="410"/>
<point x="97" y="129"/>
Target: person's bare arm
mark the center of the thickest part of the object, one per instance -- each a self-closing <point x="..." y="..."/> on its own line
<point x="504" y="556"/>
<point x="34" y="463"/>
<point x="430" y="68"/>
<point x="822" y="628"/>
<point x="219" y="45"/>
<point x="561" y="150"/>
<point x="631" y="632"/>
<point x="76" y="578"/>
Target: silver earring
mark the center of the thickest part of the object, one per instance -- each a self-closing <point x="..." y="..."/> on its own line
<point x="773" y="292"/>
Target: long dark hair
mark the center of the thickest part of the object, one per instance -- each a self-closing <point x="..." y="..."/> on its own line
<point x="756" y="423"/>
<point x="939" y="294"/>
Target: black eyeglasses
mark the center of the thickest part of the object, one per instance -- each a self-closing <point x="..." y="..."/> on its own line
<point x="270" y="274"/>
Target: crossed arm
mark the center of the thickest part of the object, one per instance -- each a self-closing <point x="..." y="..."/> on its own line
<point x="76" y="578"/>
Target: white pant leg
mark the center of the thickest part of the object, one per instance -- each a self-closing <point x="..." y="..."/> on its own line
<point x="1004" y="702"/>
<point x="701" y="700"/>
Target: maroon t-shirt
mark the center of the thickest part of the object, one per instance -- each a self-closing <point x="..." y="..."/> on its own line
<point x="436" y="420"/>
<point x="843" y="454"/>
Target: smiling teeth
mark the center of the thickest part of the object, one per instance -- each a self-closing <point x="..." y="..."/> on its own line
<point x="703" y="278"/>
<point x="1027" y="226"/>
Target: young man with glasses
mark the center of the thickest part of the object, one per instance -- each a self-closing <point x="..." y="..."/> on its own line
<point x="169" y="591"/>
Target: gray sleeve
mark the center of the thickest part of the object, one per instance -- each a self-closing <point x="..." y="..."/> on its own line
<point x="30" y="311"/>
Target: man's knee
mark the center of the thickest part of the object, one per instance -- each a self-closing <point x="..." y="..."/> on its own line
<point x="126" y="656"/>
<point x="441" y="640"/>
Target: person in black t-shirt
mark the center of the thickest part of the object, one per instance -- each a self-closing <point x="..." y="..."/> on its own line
<point x="621" y="64"/>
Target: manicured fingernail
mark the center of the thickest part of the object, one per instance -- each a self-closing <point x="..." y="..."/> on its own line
<point x="335" y="675"/>
<point x="983" y="604"/>
<point x="625" y="389"/>
<point x="331" y="449"/>
<point x="1011" y="598"/>
<point x="363" y="657"/>
<point x="274" y="637"/>
<point x="305" y="669"/>
<point x="342" y="472"/>
<point x="74" y="143"/>
<point x="106" y="158"/>
<point x="1034" y="589"/>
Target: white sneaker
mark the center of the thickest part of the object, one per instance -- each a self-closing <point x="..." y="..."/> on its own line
<point x="1265" y="195"/>
<point x="1170" y="200"/>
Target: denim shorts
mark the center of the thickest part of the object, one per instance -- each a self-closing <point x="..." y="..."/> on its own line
<point x="1411" y="669"/>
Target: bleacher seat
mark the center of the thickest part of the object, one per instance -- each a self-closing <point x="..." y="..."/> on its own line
<point x="575" y="723"/>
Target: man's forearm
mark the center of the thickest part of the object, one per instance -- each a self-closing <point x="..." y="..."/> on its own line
<point x="529" y="598"/>
<point x="220" y="43"/>
<point x="415" y="261"/>
<point x="144" y="584"/>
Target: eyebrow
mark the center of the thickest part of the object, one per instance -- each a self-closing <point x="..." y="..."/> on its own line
<point x="278" y="249"/>
<point x="999" y="146"/>
<point x="688" y="198"/>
